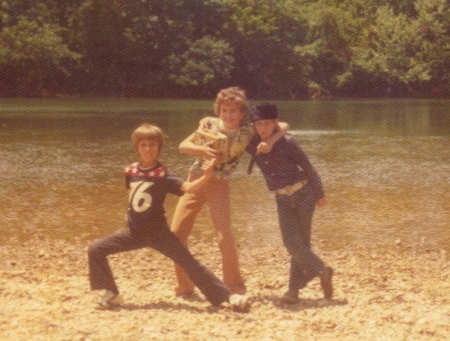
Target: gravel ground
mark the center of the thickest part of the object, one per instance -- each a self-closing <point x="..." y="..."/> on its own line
<point x="397" y="292"/>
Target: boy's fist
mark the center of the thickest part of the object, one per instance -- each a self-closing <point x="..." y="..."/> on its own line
<point x="208" y="167"/>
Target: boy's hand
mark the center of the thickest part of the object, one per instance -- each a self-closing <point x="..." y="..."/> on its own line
<point x="208" y="167"/>
<point x="263" y="147"/>
<point x="208" y="153"/>
<point x="321" y="202"/>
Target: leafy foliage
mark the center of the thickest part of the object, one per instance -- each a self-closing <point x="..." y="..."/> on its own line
<point x="204" y="61"/>
<point x="33" y="52"/>
<point x="282" y="49"/>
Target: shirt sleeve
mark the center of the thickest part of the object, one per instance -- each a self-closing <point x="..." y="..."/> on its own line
<point x="174" y="183"/>
<point x="302" y="160"/>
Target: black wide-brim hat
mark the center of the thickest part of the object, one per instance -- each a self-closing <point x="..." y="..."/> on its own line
<point x="265" y="111"/>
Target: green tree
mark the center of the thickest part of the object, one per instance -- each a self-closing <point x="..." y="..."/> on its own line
<point x="337" y="30"/>
<point x="263" y="34"/>
<point x="370" y="48"/>
<point x="406" y="52"/>
<point x="273" y="48"/>
<point x="32" y="55"/>
<point x="206" y="60"/>
<point x="160" y="38"/>
<point x="55" y="18"/>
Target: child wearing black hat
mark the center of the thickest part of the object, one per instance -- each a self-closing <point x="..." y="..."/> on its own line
<point x="232" y="109"/>
<point x="298" y="189"/>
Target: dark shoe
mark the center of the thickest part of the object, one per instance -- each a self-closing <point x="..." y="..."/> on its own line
<point x="326" y="282"/>
<point x="290" y="297"/>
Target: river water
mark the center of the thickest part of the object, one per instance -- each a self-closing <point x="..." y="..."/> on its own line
<point x="385" y="165"/>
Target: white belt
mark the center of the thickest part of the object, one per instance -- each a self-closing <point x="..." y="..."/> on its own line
<point x="289" y="190"/>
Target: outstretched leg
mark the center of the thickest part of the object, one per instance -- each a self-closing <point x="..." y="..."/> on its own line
<point x="100" y="274"/>
<point x="209" y="284"/>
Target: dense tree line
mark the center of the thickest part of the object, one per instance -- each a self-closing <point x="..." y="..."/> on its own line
<point x="192" y="48"/>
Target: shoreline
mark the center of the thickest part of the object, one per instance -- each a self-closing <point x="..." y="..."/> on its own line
<point x="398" y="293"/>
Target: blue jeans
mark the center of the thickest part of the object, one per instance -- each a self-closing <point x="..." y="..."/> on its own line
<point x="165" y="242"/>
<point x="295" y="213"/>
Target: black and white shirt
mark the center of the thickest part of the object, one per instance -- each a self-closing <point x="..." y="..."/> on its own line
<point x="148" y="190"/>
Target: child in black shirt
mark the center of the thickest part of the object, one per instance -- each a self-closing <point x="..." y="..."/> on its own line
<point x="149" y="182"/>
<point x="298" y="190"/>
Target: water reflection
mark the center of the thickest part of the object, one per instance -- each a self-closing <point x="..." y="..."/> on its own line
<point x="385" y="166"/>
<point x="388" y="117"/>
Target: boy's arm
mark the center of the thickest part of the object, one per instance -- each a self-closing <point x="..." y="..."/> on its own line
<point x="302" y="160"/>
<point x="195" y="185"/>
<point x="189" y="147"/>
<point x="266" y="146"/>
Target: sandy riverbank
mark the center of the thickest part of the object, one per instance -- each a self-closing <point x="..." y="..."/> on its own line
<point x="402" y="293"/>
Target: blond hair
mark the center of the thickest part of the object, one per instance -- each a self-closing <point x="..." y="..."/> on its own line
<point x="234" y="95"/>
<point x="147" y="131"/>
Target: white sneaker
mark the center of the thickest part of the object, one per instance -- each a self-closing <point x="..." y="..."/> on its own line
<point x="110" y="299"/>
<point x="239" y="302"/>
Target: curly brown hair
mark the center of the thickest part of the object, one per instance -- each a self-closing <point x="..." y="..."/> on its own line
<point x="233" y="95"/>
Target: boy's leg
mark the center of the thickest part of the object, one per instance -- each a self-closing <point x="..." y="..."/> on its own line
<point x="218" y="198"/>
<point x="315" y="265"/>
<point x="209" y="284"/>
<point x="295" y="216"/>
<point x="183" y="220"/>
<point x="287" y="217"/>
<point x="100" y="274"/>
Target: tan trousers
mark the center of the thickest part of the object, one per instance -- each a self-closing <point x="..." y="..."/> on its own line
<point x="216" y="193"/>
